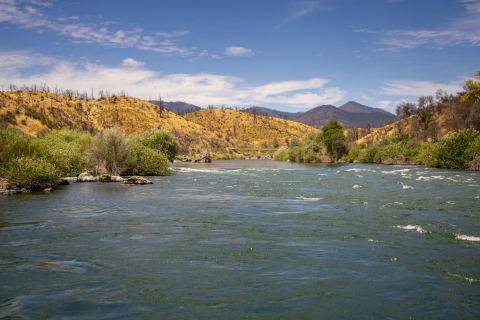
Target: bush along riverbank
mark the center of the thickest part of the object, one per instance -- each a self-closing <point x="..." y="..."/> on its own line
<point x="439" y="132"/>
<point x="458" y="150"/>
<point x="39" y="164"/>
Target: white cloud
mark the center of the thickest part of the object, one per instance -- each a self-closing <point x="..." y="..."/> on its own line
<point x="461" y="31"/>
<point x="418" y="88"/>
<point x="238" y="51"/>
<point x="306" y="8"/>
<point x="91" y="33"/>
<point x="200" y="89"/>
<point x="365" y="97"/>
<point x="172" y="34"/>
<point x="15" y="60"/>
<point x="40" y="3"/>
<point x="130" y="62"/>
<point x="69" y="18"/>
<point x="383" y="104"/>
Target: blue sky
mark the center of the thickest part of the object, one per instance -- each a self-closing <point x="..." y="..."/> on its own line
<point x="283" y="54"/>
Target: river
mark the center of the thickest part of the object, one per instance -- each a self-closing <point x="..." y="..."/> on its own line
<point x="240" y="239"/>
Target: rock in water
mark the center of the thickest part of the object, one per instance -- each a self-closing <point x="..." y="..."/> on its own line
<point x="134" y="180"/>
<point x="86" y="177"/>
<point x="117" y="179"/>
<point x="202" y="157"/>
<point x="8" y="188"/>
<point x="105" y="178"/>
<point x="64" y="182"/>
<point x="48" y="190"/>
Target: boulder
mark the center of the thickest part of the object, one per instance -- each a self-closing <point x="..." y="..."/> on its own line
<point x="474" y="165"/>
<point x="186" y="159"/>
<point x="202" y="157"/>
<point x="64" y="182"/>
<point x="116" y="179"/>
<point x="48" y="190"/>
<point x="105" y="178"/>
<point x="86" y="177"/>
<point x="134" y="180"/>
<point x="9" y="188"/>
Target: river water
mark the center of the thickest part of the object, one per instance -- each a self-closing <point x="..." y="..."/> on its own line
<point x="247" y="239"/>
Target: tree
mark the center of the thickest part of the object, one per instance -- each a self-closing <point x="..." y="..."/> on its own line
<point x="110" y="150"/>
<point x="160" y="105"/>
<point x="405" y="110"/>
<point x="161" y="141"/>
<point x="334" y="138"/>
<point x="473" y="89"/>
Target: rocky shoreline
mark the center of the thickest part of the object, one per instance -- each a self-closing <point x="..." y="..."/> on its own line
<point x="9" y="188"/>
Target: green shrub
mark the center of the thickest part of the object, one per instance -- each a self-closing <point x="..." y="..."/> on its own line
<point x="31" y="172"/>
<point x="368" y="156"/>
<point x="66" y="149"/>
<point x="15" y="144"/>
<point x="161" y="141"/>
<point x="452" y="151"/>
<point x="110" y="150"/>
<point x="147" y="161"/>
<point x="473" y="150"/>
<point x="353" y="153"/>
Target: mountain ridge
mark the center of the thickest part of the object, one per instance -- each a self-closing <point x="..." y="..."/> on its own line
<point x="351" y="114"/>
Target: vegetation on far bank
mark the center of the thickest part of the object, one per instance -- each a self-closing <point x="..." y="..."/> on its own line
<point x="440" y="132"/>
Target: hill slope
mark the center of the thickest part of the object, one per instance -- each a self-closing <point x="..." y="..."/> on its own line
<point x="246" y="129"/>
<point x="216" y="131"/>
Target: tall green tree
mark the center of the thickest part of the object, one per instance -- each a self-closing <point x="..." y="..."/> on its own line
<point x="334" y="138"/>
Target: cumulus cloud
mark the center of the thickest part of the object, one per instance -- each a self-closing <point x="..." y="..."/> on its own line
<point x="200" y="89"/>
<point x="238" y="51"/>
<point x="418" y="88"/>
<point x="130" y="62"/>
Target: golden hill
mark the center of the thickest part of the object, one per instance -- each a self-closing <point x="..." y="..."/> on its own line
<point x="215" y="131"/>
<point x="243" y="129"/>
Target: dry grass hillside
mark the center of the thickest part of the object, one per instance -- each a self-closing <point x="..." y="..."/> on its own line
<point x="215" y="131"/>
<point x="432" y="123"/>
<point x="243" y="129"/>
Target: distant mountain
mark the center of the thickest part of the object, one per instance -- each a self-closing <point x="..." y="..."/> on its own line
<point x="270" y="112"/>
<point x="351" y="114"/>
<point x="178" y="107"/>
<point x="352" y="106"/>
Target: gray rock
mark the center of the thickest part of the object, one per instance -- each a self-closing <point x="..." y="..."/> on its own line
<point x="86" y="177"/>
<point x="474" y="165"/>
<point x="48" y="190"/>
<point x="9" y="188"/>
<point x="202" y="157"/>
<point x="116" y="179"/>
<point x="134" y="180"/>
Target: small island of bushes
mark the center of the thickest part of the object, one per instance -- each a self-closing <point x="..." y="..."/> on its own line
<point x="36" y="164"/>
